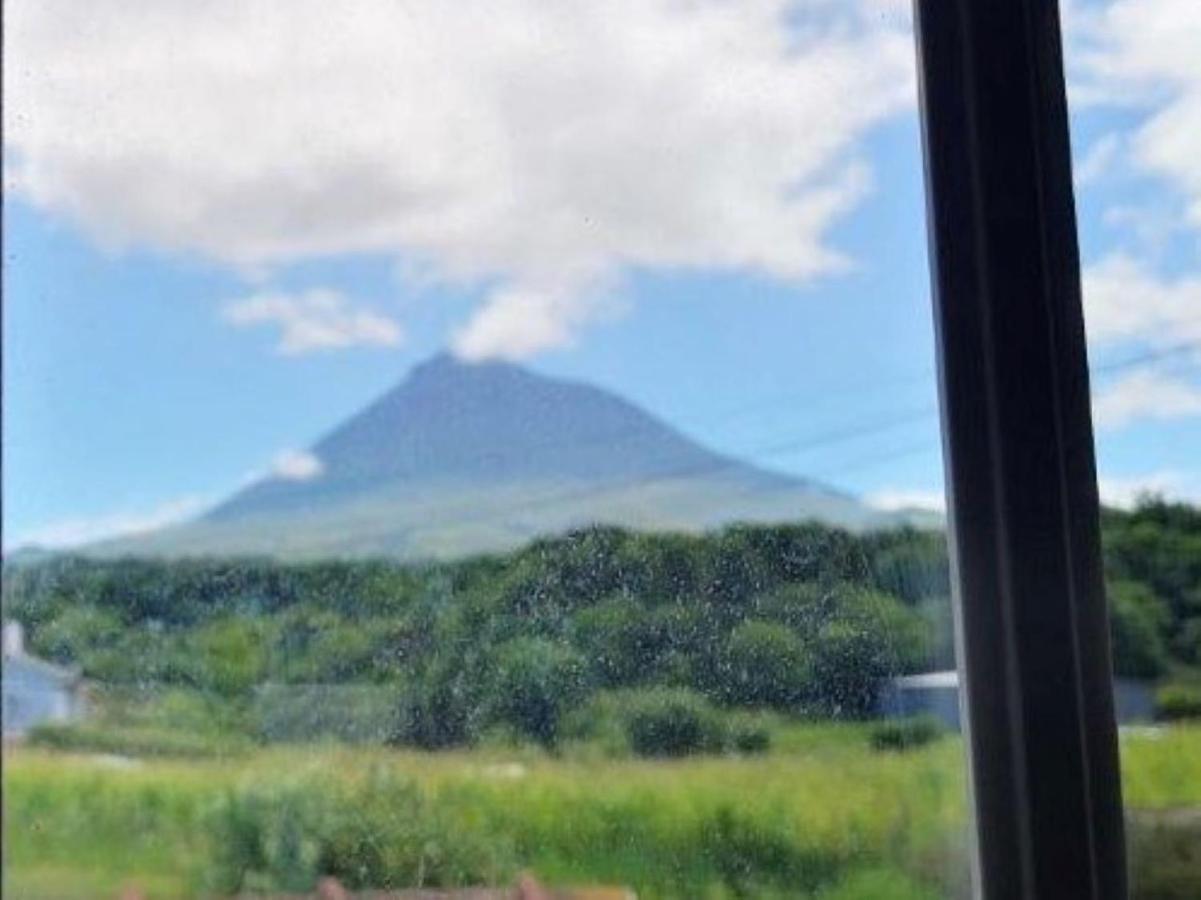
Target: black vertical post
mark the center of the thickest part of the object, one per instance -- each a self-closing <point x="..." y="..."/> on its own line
<point x="1031" y="616"/>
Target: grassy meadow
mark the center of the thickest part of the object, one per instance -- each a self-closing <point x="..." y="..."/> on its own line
<point x="687" y="715"/>
<point x="822" y="815"/>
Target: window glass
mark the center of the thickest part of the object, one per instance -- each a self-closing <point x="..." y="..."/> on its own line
<point x="495" y="445"/>
<point x="1135" y="98"/>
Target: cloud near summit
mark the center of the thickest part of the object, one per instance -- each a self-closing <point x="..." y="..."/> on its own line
<point x="537" y="150"/>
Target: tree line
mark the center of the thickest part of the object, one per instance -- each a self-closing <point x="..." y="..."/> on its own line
<point x="803" y="619"/>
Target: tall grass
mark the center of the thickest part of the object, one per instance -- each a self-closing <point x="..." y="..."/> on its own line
<point x="827" y="818"/>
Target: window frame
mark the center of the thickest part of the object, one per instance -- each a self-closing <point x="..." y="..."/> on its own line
<point x="1023" y="512"/>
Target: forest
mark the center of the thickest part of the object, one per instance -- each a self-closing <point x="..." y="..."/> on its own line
<point x="804" y="620"/>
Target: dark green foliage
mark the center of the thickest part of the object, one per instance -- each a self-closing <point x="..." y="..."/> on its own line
<point x="533" y="681"/>
<point x="1139" y="620"/>
<point x="621" y="640"/>
<point x="765" y="664"/>
<point x="660" y="721"/>
<point x="801" y="618"/>
<point x="866" y="639"/>
<point x="1178" y="700"/>
<point x="441" y="706"/>
<point x="910" y="564"/>
<point x="1187" y="641"/>
<point x="672" y="722"/>
<point x="1159" y="545"/>
<point x="745" y="735"/>
<point x="906" y="734"/>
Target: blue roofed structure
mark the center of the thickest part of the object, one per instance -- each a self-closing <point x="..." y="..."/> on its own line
<point x="36" y="691"/>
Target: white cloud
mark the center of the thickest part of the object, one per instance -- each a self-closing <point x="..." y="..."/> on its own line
<point x="314" y="320"/>
<point x="80" y="530"/>
<point x="536" y="149"/>
<point x="1145" y="395"/>
<point x="894" y="499"/>
<point x="297" y="465"/>
<point x="1126" y="301"/>
<point x="1124" y="492"/>
<point x="518" y="322"/>
<point x="1098" y="159"/>
<point x="1152" y="221"/>
<point x="1145" y="53"/>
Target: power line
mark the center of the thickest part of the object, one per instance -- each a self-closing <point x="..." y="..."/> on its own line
<point x="804" y="444"/>
<point x="791" y="446"/>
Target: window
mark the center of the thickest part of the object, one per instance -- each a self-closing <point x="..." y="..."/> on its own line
<point x="495" y="446"/>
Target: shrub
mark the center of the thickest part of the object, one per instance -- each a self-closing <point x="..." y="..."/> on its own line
<point x="747" y="736"/>
<point x="440" y="706"/>
<point x="600" y="724"/>
<point x="672" y="722"/>
<point x="906" y="734"/>
<point x="1178" y="701"/>
<point x="535" y="681"/>
<point x="661" y="717"/>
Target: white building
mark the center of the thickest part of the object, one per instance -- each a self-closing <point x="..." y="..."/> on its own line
<point x="36" y="691"/>
<point x="937" y="694"/>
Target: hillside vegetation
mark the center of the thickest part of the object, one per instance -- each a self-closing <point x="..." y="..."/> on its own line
<point x="800" y="619"/>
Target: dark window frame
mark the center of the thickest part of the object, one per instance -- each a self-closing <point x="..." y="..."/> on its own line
<point x="1031" y="619"/>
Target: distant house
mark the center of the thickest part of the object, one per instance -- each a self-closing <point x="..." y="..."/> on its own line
<point x="937" y="694"/>
<point x="36" y="691"/>
<point x="930" y="693"/>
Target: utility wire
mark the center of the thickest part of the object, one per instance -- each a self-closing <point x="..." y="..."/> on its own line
<point x="804" y="444"/>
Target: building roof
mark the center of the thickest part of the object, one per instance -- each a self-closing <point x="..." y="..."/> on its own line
<point x="945" y="679"/>
<point x="42" y="667"/>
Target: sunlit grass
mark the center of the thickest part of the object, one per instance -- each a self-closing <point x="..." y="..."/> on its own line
<point x="822" y="811"/>
<point x="1161" y="767"/>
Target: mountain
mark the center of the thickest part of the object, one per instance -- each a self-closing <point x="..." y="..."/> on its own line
<point x="462" y="458"/>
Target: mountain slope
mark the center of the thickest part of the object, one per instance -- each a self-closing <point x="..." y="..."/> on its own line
<point x="463" y="458"/>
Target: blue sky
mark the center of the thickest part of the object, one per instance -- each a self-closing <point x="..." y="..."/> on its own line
<point x="228" y="264"/>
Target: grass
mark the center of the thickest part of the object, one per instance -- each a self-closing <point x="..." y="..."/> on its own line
<point x="821" y="816"/>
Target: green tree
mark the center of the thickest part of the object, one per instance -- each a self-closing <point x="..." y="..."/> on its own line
<point x="766" y="664"/>
<point x="620" y="640"/>
<point x="1138" y="619"/>
<point x="229" y="656"/>
<point x="533" y="682"/>
<point x="867" y="638"/>
<point x="77" y="633"/>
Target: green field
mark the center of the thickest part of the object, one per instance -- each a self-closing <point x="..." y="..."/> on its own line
<point x="822" y="815"/>
<point x="686" y="715"/>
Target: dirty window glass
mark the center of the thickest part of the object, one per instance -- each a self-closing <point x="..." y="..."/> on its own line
<point x="1134" y="92"/>
<point x="492" y="447"/>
